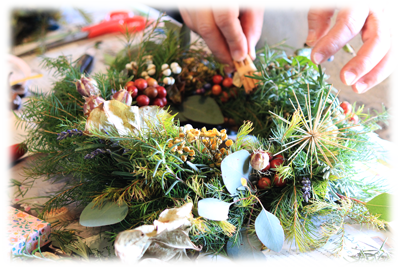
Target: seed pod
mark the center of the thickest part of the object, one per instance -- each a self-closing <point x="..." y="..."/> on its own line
<point x="151" y="69"/>
<point x="166" y="72"/>
<point x="176" y="69"/>
<point x="91" y="103"/>
<point x="123" y="96"/>
<point x="87" y="86"/>
<point x="174" y="64"/>
<point x="259" y="159"/>
<point x="164" y="66"/>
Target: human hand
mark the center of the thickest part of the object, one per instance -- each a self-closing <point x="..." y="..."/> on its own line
<point x="373" y="62"/>
<point x="230" y="33"/>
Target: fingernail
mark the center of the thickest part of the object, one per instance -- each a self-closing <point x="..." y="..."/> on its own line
<point x="349" y="77"/>
<point x="318" y="57"/>
<point x="310" y="37"/>
<point x="361" y="87"/>
<point x="237" y="55"/>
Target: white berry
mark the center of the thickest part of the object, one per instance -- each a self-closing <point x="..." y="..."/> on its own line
<point x="164" y="66"/>
<point x="167" y="72"/>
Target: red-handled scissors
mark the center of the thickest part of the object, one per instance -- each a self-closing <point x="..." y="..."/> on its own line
<point x="114" y="22"/>
<point x="119" y="21"/>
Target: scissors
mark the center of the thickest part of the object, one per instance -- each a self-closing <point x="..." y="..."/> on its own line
<point x="118" y="21"/>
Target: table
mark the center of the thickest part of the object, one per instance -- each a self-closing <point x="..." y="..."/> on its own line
<point x="112" y="43"/>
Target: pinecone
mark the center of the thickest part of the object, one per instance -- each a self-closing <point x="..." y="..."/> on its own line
<point x="306" y="188"/>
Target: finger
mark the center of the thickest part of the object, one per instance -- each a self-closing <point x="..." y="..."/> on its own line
<point x="377" y="42"/>
<point x="380" y="72"/>
<point x="349" y="23"/>
<point x="185" y="14"/>
<point x="252" y="20"/>
<point x="227" y="20"/>
<point x="204" y="25"/>
<point x="319" y="21"/>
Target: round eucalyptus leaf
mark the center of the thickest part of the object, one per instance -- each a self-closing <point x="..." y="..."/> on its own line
<point x="235" y="167"/>
<point x="202" y="109"/>
<point x="106" y="214"/>
<point x="213" y="209"/>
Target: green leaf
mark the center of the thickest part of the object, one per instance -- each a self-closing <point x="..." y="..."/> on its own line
<point x="213" y="209"/>
<point x="184" y="37"/>
<point x="269" y="230"/>
<point x="248" y="247"/>
<point x="108" y="213"/>
<point x="235" y="167"/>
<point x="380" y="205"/>
<point x="202" y="109"/>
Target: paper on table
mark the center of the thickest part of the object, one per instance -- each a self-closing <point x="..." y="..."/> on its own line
<point x="355" y="240"/>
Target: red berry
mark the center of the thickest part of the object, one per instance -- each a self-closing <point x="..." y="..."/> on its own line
<point x="276" y="162"/>
<point x="16" y="151"/>
<point x="227" y="82"/>
<point x="162" y="92"/>
<point x="233" y="92"/>
<point x="264" y="182"/>
<point x="278" y="181"/>
<point x="132" y="90"/>
<point x="130" y="83"/>
<point x="346" y="106"/>
<point x="158" y="102"/>
<point x="151" y="92"/>
<point x="224" y="97"/>
<point x="142" y="100"/>
<point x="164" y="99"/>
<point x="141" y="84"/>
<point x="216" y="89"/>
<point x="266" y="167"/>
<point x="151" y="82"/>
<point x="354" y="119"/>
<point x="217" y="79"/>
<point x="279" y="156"/>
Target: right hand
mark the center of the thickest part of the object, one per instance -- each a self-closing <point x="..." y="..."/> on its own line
<point x="230" y="33"/>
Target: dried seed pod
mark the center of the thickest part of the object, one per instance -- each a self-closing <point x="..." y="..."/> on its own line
<point x="259" y="159"/>
<point x="91" y="103"/>
<point x="166" y="72"/>
<point x="123" y="96"/>
<point x="87" y="86"/>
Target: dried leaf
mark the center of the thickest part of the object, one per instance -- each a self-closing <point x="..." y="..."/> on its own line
<point x="130" y="245"/>
<point x="178" y="238"/>
<point x="171" y="219"/>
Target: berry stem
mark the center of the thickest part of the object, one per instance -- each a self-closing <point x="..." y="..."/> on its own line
<point x="356" y="200"/>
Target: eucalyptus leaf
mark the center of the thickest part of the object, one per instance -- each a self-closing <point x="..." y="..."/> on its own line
<point x="213" y="209"/>
<point x="269" y="230"/>
<point x="235" y="167"/>
<point x="380" y="205"/>
<point x="106" y="214"/>
<point x="202" y="109"/>
<point x="247" y="247"/>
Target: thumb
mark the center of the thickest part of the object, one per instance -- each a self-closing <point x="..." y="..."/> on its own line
<point x="319" y="21"/>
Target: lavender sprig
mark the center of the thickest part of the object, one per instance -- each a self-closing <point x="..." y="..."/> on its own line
<point x="69" y="133"/>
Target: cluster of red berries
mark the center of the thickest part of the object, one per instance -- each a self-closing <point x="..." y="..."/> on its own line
<point x="219" y="83"/>
<point x="348" y="111"/>
<point x="147" y="92"/>
<point x="274" y="162"/>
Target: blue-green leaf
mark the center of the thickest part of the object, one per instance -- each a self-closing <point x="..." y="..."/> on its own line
<point x="213" y="209"/>
<point x="235" y="167"/>
<point x="269" y="230"/>
<point x="247" y="247"/>
<point x="108" y="213"/>
<point x="380" y="205"/>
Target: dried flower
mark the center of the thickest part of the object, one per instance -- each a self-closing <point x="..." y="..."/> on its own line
<point x="87" y="86"/>
<point x="123" y="96"/>
<point x="259" y="159"/>
<point x="91" y="103"/>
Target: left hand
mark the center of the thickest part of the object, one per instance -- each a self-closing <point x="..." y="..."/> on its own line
<point x="374" y="61"/>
